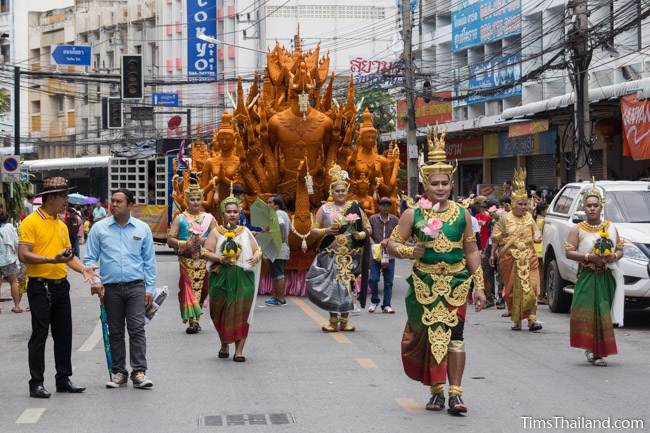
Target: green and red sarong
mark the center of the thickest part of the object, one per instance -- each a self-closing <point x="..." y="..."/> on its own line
<point x="591" y="321"/>
<point x="232" y="291"/>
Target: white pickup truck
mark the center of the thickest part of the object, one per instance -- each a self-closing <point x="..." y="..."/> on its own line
<point x="628" y="206"/>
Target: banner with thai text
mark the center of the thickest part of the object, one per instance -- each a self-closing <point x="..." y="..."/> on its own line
<point x="476" y="22"/>
<point x="636" y="127"/>
<point x="155" y="216"/>
<point x="426" y="113"/>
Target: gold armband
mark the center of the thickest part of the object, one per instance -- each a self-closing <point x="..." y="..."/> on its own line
<point x="322" y="231"/>
<point x="569" y="247"/>
<point x="181" y="246"/>
<point x="204" y="251"/>
<point x="477" y="276"/>
<point x="396" y="236"/>
<point x="470" y="239"/>
<point x="404" y="251"/>
<point x="620" y="244"/>
<point x="362" y="235"/>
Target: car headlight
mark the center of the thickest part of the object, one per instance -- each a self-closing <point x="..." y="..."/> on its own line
<point x="632" y="252"/>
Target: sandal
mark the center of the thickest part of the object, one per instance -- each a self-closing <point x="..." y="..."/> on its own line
<point x="516" y="328"/>
<point x="535" y="326"/>
<point x="436" y="403"/>
<point x="600" y="362"/>
<point x="590" y="357"/>
<point x="224" y="355"/>
<point x="17" y="310"/>
<point x="239" y="358"/>
<point x="456" y="405"/>
<point x="506" y="315"/>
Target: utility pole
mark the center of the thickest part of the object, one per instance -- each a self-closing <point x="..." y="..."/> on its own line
<point x="581" y="61"/>
<point x="411" y="134"/>
<point x="16" y="109"/>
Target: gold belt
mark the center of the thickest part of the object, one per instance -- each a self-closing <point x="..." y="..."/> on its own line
<point x="440" y="268"/>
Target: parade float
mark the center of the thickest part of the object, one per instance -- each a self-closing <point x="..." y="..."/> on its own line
<point x="282" y="137"/>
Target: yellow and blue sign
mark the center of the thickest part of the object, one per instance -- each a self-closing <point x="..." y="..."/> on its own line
<point x="502" y="146"/>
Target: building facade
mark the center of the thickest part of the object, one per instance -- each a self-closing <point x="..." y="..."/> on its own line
<point x="503" y="63"/>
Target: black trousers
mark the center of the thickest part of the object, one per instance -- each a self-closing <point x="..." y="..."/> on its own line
<point x="49" y="301"/>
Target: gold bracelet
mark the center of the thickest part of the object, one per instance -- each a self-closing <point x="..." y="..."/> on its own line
<point x="362" y="235"/>
<point x="479" y="283"/>
<point x="586" y="257"/>
<point x="405" y="252"/>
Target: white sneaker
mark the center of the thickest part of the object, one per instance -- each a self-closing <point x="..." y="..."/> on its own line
<point x="141" y="381"/>
<point x="356" y="311"/>
<point x="117" y="380"/>
<point x="372" y="308"/>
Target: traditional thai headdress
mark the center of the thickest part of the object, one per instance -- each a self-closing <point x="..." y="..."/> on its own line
<point x="231" y="199"/>
<point x="193" y="190"/>
<point x="338" y="176"/>
<point x="593" y="192"/>
<point x="437" y="156"/>
<point x="366" y="123"/>
<point x="519" y="185"/>
<point x="226" y="124"/>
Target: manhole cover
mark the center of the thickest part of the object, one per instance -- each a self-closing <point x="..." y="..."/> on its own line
<point x="233" y="420"/>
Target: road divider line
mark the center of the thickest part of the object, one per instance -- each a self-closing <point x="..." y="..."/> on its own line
<point x="410" y="405"/>
<point x="366" y="363"/>
<point x="92" y="339"/>
<point x="31" y="415"/>
<point x="320" y="320"/>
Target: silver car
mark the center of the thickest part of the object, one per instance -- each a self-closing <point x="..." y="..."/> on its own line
<point x="628" y="206"/>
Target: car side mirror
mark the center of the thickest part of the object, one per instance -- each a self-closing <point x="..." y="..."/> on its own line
<point x="578" y="217"/>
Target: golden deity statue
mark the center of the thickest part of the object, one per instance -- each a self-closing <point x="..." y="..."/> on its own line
<point x="284" y="135"/>
<point x="200" y="152"/>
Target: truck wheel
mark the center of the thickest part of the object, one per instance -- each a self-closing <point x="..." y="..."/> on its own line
<point x="558" y="300"/>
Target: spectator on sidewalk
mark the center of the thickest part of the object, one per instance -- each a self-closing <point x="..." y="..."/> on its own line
<point x="122" y="247"/>
<point x="99" y="212"/>
<point x="277" y="266"/>
<point x="382" y="224"/>
<point x="9" y="265"/>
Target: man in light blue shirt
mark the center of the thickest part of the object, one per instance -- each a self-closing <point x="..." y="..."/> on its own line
<point x="122" y="247"/>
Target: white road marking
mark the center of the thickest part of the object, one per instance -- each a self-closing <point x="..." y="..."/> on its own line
<point x="92" y="339"/>
<point x="31" y="415"/>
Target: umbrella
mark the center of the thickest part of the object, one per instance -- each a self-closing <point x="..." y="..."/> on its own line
<point x="91" y="200"/>
<point x="107" y="344"/>
<point x="76" y="198"/>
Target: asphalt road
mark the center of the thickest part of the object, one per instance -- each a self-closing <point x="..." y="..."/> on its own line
<point x="298" y="379"/>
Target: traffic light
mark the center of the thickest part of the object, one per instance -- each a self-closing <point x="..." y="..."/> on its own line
<point x="132" y="77"/>
<point x="426" y="91"/>
<point x="114" y="113"/>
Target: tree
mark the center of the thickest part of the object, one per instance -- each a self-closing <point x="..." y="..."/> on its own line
<point x="5" y="101"/>
<point x="381" y="104"/>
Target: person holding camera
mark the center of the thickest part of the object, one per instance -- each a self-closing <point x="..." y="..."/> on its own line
<point x="44" y="247"/>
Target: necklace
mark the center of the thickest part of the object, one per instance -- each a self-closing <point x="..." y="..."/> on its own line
<point x="584" y="225"/>
<point x="304" y="237"/>
<point x="448" y="215"/>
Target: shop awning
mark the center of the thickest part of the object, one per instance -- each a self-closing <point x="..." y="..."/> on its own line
<point x="67" y="163"/>
<point x="595" y="94"/>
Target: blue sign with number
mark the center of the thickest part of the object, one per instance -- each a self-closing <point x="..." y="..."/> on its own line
<point x="165" y="99"/>
<point x="76" y="55"/>
<point x="477" y="22"/>
<point x="201" y="55"/>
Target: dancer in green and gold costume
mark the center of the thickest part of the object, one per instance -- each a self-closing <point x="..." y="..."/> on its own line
<point x="447" y="261"/>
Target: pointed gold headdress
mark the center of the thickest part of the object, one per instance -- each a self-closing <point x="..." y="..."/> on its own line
<point x="437" y="157"/>
<point x="366" y="124"/>
<point x="193" y="190"/>
<point x="519" y="185"/>
<point x="226" y="124"/>
<point x="593" y="192"/>
<point x="338" y="176"/>
<point x="231" y="199"/>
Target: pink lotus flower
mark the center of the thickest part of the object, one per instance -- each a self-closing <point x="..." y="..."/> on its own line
<point x="425" y="203"/>
<point x="492" y="209"/>
<point x="500" y="211"/>
<point x="433" y="227"/>
<point x="196" y="229"/>
<point x="351" y="218"/>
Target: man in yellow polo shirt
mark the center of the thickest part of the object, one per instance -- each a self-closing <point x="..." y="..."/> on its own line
<point x="44" y="247"/>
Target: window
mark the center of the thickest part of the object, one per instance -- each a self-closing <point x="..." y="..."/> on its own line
<point x="628" y="206"/>
<point x="565" y="200"/>
<point x="60" y="104"/>
<point x="84" y="128"/>
<point x="4" y="6"/>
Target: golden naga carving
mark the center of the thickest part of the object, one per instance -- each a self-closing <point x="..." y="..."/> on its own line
<point x="285" y="133"/>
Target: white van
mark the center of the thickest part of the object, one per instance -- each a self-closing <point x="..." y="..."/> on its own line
<point x="628" y="206"/>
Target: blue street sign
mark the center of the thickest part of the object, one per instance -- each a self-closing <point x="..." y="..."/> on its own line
<point x="77" y="55"/>
<point x="165" y="99"/>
